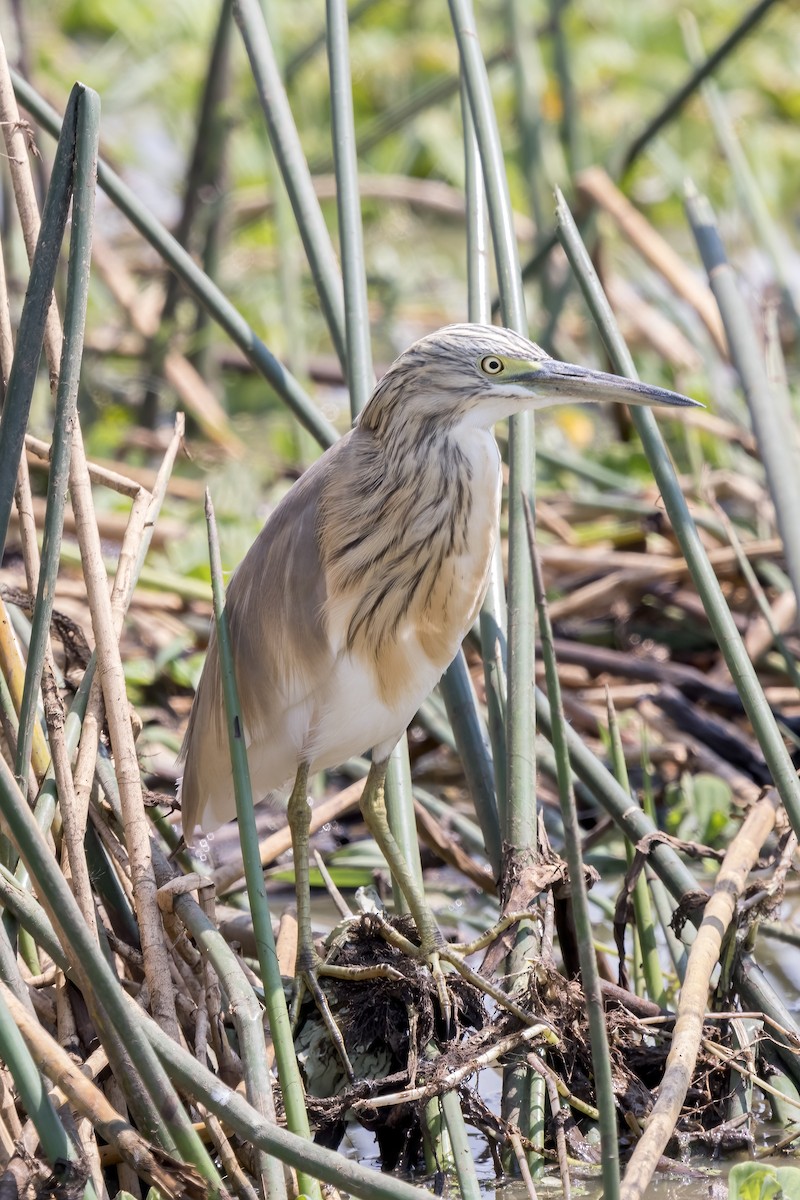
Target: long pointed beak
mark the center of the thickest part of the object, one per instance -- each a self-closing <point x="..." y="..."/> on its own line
<point x="555" y="382"/>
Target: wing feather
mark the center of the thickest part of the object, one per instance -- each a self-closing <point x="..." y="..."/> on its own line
<point x="275" y="603"/>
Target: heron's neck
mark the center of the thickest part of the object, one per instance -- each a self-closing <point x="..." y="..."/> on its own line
<point x="396" y="516"/>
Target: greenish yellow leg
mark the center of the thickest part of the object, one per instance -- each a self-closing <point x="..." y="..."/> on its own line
<point x="373" y="808"/>
<point x="309" y="965"/>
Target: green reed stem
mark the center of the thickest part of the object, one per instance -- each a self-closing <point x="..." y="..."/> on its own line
<point x="768" y="406"/>
<point x="519" y="828"/>
<point x="493" y="610"/>
<point x="571" y="138"/>
<point x="317" y="43"/>
<point x="294" y="169"/>
<point x="528" y="76"/>
<point x="22" y="377"/>
<point x="756" y="992"/>
<point x="359" y="370"/>
<point x="358" y="364"/>
<point x="58" y="1147"/>
<point x="598" y="1034"/>
<point x="644" y="926"/>
<point x="748" y="188"/>
<point x="676" y="102"/>
<point x="245" y="1010"/>
<point x="82" y="185"/>
<point x="474" y="751"/>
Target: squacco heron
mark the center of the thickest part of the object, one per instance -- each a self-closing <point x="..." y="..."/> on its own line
<point x="357" y="593"/>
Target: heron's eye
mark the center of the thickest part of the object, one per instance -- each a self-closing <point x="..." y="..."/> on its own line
<point x="491" y="365"/>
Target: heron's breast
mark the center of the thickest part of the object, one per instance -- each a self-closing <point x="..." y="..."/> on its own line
<point x="444" y="606"/>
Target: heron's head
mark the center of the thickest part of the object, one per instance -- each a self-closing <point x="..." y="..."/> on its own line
<point x="478" y="374"/>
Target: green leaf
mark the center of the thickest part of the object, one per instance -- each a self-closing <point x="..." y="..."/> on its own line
<point x="140" y="672"/>
<point x="761" y="1181"/>
<point x="699" y="808"/>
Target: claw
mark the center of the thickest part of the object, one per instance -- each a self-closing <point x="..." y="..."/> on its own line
<point x="308" y="978"/>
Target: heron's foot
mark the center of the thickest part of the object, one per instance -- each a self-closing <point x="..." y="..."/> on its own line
<point x="310" y="968"/>
<point x="437" y="951"/>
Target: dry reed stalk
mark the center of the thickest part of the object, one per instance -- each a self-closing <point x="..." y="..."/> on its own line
<point x="741" y="857"/>
<point x="194" y="392"/>
<point x="597" y="186"/>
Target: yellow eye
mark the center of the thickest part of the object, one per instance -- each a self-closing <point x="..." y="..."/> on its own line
<point x="491" y="365"/>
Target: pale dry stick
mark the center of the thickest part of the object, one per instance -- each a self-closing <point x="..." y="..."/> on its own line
<point x="432" y="194"/>
<point x="596" y="185"/>
<point x="127" y="1178"/>
<point x="660" y="566"/>
<point x="649" y="568"/>
<point x="725" y="1015"/>
<point x="172" y="1178"/>
<point x="10" y="1124"/>
<point x="522" y="1162"/>
<point x="143" y="509"/>
<point x="190" y="386"/>
<point x="451" y="1081"/>
<point x="557" y="1114"/>
<point x="435" y="834"/>
<point x="26" y="515"/>
<point x="547" y="518"/>
<point x="239" y="1182"/>
<point x="13" y="669"/>
<point x="95" y="710"/>
<point x="111" y="525"/>
<point x="595" y="596"/>
<point x="105" y="473"/>
<point x="341" y="905"/>
<point x="113" y="480"/>
<point x="6" y="334"/>
<point x="225" y="878"/>
<point x="73" y="791"/>
<point x="144" y="601"/>
<point x="286" y="943"/>
<point x="45" y="979"/>
<point x="725" y="1055"/>
<point x="156" y="960"/>
<point x="22" y="492"/>
<point x="758" y="638"/>
<point x="739" y="861"/>
<point x="7" y="1146"/>
<point x="8" y="1109"/>
<point x="15" y="133"/>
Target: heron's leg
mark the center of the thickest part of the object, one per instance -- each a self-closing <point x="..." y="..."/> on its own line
<point x="373" y="808"/>
<point x="298" y="814"/>
<point x="308" y="961"/>
<point x="433" y="946"/>
<point x="309" y="965"/>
